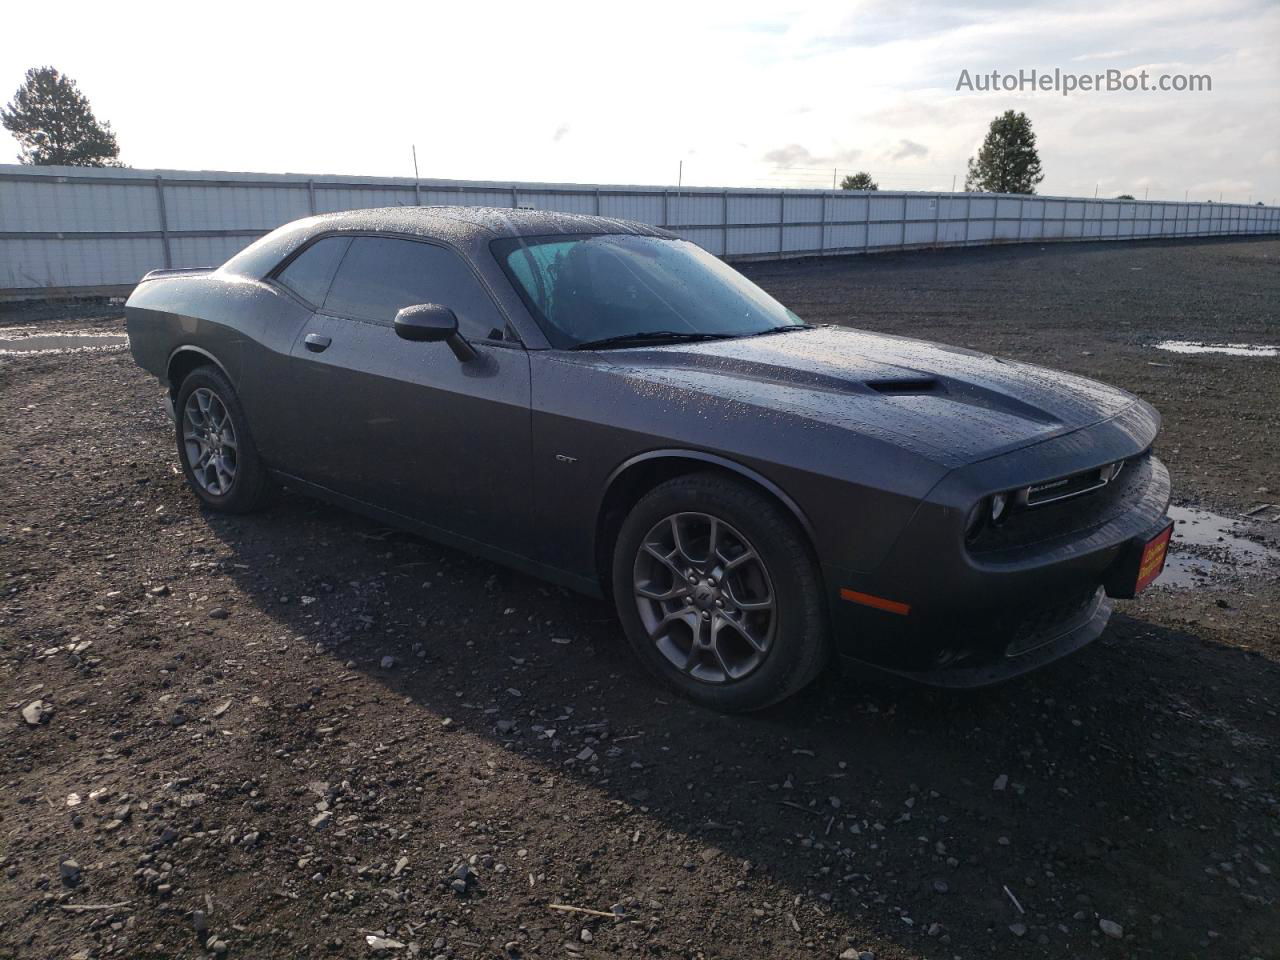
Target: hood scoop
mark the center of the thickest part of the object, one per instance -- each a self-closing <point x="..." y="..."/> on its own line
<point x="906" y="386"/>
<point x="959" y="392"/>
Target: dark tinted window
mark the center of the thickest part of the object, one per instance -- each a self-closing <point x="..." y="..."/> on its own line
<point x="381" y="275"/>
<point x="312" y="270"/>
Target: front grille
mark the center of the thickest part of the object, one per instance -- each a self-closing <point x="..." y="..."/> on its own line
<point x="1038" y="522"/>
<point x="1072" y="486"/>
<point x="1048" y="623"/>
<point x="1013" y="632"/>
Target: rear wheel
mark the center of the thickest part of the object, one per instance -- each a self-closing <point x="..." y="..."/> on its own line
<point x="718" y="593"/>
<point x="215" y="447"/>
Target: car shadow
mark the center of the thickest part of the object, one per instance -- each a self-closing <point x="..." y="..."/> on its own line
<point x="938" y="821"/>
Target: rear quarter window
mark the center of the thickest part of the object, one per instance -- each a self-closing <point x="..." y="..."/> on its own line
<point x="311" y="272"/>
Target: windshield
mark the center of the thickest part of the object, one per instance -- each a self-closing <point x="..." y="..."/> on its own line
<point x="615" y="287"/>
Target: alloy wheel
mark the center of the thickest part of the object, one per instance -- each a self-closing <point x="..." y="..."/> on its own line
<point x="209" y="436"/>
<point x="705" y="597"/>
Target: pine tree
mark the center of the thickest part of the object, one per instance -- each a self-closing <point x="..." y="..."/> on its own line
<point x="1008" y="161"/>
<point x="859" y="181"/>
<point x="52" y="122"/>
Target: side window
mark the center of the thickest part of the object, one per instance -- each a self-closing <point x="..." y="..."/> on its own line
<point x="311" y="272"/>
<point x="381" y="275"/>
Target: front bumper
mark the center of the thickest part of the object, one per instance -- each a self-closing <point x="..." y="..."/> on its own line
<point x="965" y="619"/>
<point x="1053" y="641"/>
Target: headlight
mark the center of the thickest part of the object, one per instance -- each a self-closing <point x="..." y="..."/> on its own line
<point x="987" y="510"/>
<point x="974" y="523"/>
<point x="998" y="504"/>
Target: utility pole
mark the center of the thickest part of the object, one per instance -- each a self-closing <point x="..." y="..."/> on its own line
<point x="1095" y="190"/>
<point x="1146" y="193"/>
<point x="415" y="160"/>
<point x="1186" y="194"/>
<point x="834" y="171"/>
<point x="680" y="176"/>
<point x="953" y="183"/>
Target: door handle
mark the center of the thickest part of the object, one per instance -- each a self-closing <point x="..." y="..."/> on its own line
<point x="316" y="343"/>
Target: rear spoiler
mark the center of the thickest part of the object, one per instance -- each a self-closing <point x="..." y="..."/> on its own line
<point x="175" y="272"/>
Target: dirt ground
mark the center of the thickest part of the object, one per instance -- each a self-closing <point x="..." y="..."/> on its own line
<point x="297" y="734"/>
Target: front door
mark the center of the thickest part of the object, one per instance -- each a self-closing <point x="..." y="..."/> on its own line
<point x="407" y="426"/>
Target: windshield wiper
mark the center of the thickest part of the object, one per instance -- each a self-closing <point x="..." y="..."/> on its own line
<point x="651" y="336"/>
<point x="785" y="328"/>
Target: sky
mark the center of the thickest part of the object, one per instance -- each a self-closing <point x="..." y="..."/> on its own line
<point x="739" y="93"/>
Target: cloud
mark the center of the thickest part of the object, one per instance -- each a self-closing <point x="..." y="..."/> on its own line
<point x="795" y="155"/>
<point x="907" y="149"/>
<point x="790" y="156"/>
<point x="1102" y="55"/>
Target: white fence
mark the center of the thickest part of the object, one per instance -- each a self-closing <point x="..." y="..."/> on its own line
<point x="77" y="230"/>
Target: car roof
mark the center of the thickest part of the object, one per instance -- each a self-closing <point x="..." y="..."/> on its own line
<point x="470" y="229"/>
<point x="459" y="223"/>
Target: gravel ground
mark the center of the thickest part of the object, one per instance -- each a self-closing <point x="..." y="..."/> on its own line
<point x="300" y="735"/>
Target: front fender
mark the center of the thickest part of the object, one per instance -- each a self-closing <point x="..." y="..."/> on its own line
<point x="702" y="456"/>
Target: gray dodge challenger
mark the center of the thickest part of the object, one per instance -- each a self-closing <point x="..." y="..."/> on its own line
<point x="609" y="407"/>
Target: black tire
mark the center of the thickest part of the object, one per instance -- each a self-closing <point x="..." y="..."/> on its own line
<point x="798" y="644"/>
<point x="249" y="486"/>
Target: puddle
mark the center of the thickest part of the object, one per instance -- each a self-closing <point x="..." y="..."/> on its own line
<point x="66" y="342"/>
<point x="1207" y="546"/>
<point x="1231" y="349"/>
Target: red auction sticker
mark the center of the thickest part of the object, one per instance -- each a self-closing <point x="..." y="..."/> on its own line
<point x="1153" y="556"/>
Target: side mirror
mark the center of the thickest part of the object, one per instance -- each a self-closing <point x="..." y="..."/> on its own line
<point x="431" y="323"/>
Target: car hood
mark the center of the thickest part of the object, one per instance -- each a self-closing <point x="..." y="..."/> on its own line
<point x="952" y="405"/>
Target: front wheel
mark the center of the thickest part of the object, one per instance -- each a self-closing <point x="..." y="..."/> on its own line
<point x="218" y="457"/>
<point x="718" y="593"/>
